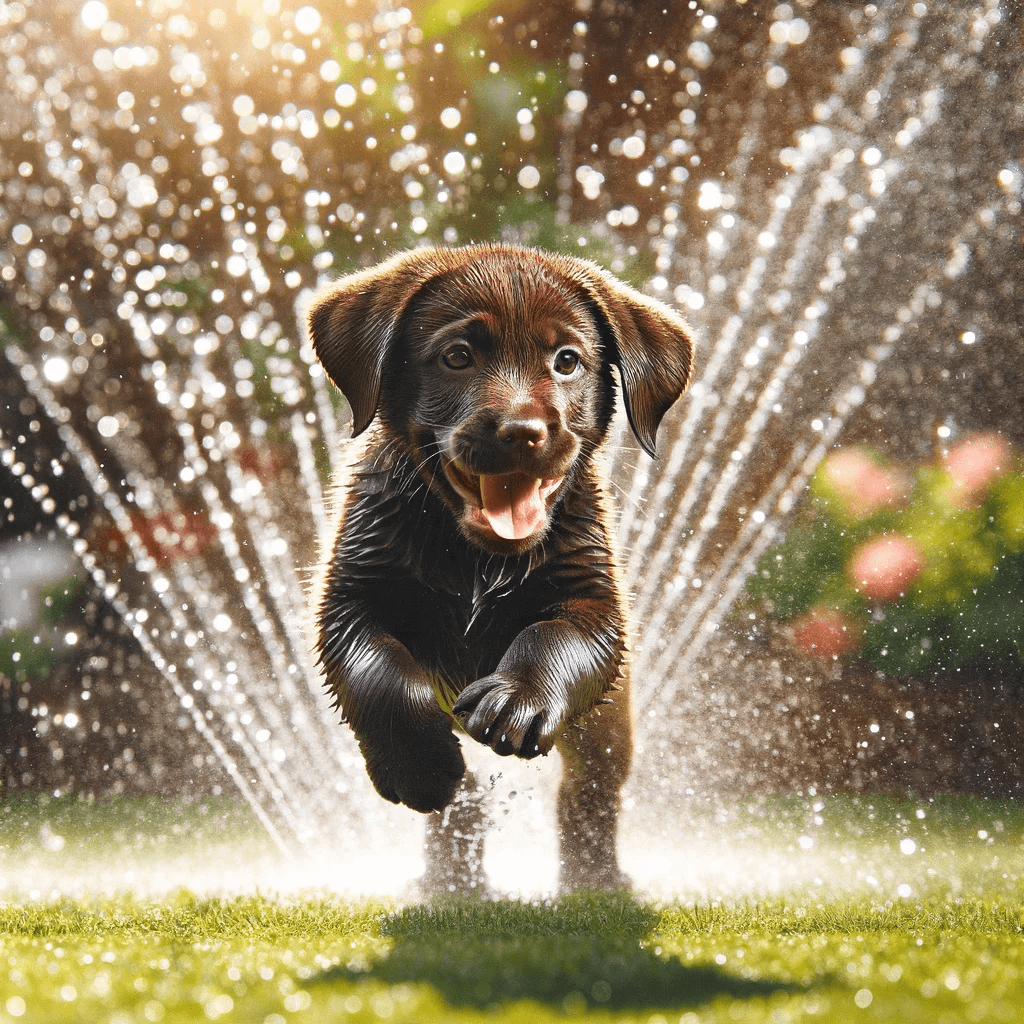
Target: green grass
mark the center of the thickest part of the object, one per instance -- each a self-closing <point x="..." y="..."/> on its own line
<point x="952" y="951"/>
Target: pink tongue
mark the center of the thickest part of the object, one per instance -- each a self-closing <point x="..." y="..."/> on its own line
<point x="513" y="506"/>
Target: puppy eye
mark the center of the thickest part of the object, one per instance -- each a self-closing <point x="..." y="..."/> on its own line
<point x="566" y="361"/>
<point x="458" y="357"/>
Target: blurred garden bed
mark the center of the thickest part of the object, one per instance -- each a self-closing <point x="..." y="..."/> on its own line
<point x="881" y="643"/>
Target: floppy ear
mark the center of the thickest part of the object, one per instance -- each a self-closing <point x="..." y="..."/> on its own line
<point x="353" y="322"/>
<point x="649" y="343"/>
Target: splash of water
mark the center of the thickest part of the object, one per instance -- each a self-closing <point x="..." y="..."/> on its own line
<point x="173" y="187"/>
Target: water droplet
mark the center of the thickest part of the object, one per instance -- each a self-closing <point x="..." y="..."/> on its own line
<point x="56" y="369"/>
<point x="94" y="14"/>
<point x="307" y="20"/>
<point x="699" y="54"/>
<point x="454" y="163"/>
<point x="576" y="101"/>
<point x="529" y="176"/>
<point x="345" y="95"/>
<point x="633" y="147"/>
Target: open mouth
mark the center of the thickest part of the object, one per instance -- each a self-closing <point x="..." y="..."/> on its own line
<point x="513" y="506"/>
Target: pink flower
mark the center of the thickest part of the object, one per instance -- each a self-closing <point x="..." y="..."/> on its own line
<point x="973" y="466"/>
<point x="861" y="485"/>
<point x="825" y="633"/>
<point x="885" y="567"/>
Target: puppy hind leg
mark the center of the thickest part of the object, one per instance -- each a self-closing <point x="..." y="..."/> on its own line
<point x="454" y="843"/>
<point x="596" y="757"/>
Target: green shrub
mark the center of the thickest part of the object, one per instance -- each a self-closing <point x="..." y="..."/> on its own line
<point x="32" y="652"/>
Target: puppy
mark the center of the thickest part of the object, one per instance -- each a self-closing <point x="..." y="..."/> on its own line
<point x="471" y="587"/>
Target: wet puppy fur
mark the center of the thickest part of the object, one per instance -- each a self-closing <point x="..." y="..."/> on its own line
<point x="471" y="588"/>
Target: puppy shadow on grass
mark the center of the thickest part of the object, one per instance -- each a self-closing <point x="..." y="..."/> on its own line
<point x="582" y="952"/>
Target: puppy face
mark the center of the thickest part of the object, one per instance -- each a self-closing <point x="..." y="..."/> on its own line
<point x="498" y="382"/>
<point x="490" y="367"/>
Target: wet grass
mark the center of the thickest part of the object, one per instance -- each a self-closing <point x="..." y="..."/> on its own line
<point x="951" y="951"/>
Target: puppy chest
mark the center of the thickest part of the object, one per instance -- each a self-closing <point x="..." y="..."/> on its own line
<point x="460" y="635"/>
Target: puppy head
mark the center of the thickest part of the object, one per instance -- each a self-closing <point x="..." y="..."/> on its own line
<point x="492" y="366"/>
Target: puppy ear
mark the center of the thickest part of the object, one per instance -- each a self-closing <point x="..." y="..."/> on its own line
<point x="353" y="323"/>
<point x="649" y="343"/>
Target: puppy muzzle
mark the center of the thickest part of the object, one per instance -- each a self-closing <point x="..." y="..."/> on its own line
<point x="508" y="471"/>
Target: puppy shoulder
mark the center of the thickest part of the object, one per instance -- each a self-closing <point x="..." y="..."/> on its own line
<point x="594" y="485"/>
<point x="340" y="495"/>
<point x="603" y="515"/>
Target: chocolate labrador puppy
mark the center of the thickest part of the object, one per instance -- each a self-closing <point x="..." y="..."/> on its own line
<point x="471" y="587"/>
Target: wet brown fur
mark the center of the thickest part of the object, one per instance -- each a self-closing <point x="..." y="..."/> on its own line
<point x="427" y="619"/>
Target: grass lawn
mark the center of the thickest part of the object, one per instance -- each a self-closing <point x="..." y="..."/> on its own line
<point x="943" y="945"/>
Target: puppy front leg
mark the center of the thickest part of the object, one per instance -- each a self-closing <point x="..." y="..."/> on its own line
<point x="552" y="673"/>
<point x="412" y="756"/>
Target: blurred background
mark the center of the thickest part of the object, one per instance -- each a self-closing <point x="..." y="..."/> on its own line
<point x="829" y="191"/>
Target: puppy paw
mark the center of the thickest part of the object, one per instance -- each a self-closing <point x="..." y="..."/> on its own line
<point x="420" y="768"/>
<point x="507" y="716"/>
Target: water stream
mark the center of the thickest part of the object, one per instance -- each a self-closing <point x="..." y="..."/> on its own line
<point x="837" y="209"/>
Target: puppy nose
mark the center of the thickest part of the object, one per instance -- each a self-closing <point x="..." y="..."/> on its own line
<point x="527" y="430"/>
